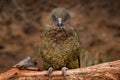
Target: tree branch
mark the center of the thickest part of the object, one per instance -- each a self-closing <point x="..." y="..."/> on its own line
<point x="104" y="71"/>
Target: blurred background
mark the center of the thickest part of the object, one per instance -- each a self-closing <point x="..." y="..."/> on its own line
<point x="22" y="21"/>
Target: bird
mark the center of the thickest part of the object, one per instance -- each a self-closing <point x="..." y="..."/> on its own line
<point x="60" y="43"/>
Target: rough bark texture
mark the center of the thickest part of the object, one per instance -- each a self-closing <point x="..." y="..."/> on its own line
<point x="105" y="71"/>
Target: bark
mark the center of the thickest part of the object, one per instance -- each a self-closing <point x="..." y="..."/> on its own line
<point x="104" y="71"/>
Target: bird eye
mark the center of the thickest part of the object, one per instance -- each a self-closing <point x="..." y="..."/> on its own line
<point x="54" y="18"/>
<point x="66" y="17"/>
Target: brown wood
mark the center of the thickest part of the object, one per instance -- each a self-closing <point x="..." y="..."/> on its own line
<point x="104" y="71"/>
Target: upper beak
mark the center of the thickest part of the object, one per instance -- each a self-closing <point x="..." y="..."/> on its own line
<point x="60" y="24"/>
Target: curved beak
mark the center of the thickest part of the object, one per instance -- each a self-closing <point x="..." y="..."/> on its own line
<point x="60" y="23"/>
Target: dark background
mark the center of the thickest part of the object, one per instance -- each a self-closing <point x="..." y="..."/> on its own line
<point x="22" y="21"/>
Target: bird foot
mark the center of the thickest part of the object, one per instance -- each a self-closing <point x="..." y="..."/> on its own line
<point x="50" y="70"/>
<point x="64" y="71"/>
<point x="27" y="63"/>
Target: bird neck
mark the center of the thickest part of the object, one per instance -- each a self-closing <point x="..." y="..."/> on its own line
<point x="59" y="35"/>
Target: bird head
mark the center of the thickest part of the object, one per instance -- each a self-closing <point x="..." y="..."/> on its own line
<point x="59" y="16"/>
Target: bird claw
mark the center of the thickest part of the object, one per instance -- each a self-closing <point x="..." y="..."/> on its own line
<point x="64" y="71"/>
<point x="50" y="70"/>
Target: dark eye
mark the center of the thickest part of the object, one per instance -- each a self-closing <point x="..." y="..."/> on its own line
<point x="66" y="17"/>
<point x="54" y="18"/>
